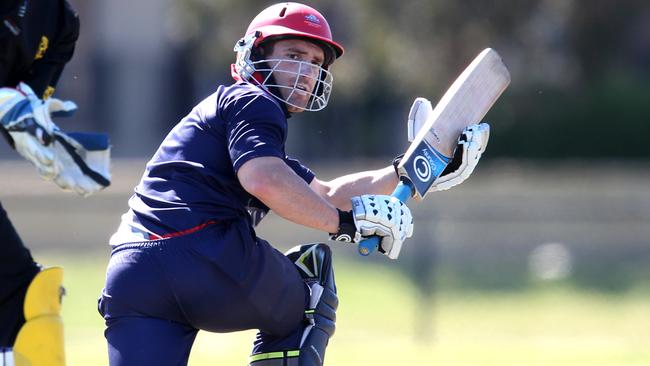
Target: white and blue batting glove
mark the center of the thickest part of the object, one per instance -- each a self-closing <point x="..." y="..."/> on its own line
<point x="380" y="215"/>
<point x="471" y="145"/>
<point x="27" y="122"/>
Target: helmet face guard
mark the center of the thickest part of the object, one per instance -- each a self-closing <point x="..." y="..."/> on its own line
<point x="266" y="72"/>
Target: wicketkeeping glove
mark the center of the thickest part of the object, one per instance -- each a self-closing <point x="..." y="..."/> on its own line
<point x="26" y="122"/>
<point x="78" y="162"/>
<point x="471" y="145"/>
<point x="381" y="215"/>
<point x="83" y="161"/>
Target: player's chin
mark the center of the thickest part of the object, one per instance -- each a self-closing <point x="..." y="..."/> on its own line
<point x="297" y="104"/>
<point x="294" y="109"/>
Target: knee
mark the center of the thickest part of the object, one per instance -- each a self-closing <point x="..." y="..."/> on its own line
<point x="314" y="261"/>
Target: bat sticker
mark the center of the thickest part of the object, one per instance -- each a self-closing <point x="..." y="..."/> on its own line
<point x="424" y="166"/>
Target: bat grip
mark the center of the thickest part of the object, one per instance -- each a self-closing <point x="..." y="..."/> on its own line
<point x="403" y="192"/>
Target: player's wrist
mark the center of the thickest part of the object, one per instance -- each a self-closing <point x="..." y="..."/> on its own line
<point x="347" y="230"/>
<point x="396" y="162"/>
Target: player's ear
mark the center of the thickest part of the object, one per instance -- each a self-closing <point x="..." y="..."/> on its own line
<point x="263" y="50"/>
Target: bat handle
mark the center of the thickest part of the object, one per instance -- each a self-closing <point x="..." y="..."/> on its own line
<point x="403" y="192"/>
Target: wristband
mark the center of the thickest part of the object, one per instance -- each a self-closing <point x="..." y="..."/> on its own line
<point x="396" y="162"/>
<point x="347" y="229"/>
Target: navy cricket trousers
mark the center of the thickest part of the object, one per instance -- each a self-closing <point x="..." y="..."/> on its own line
<point x="222" y="278"/>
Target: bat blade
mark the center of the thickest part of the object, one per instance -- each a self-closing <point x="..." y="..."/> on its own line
<point x="466" y="102"/>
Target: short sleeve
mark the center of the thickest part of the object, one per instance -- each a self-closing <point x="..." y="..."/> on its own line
<point x="303" y="172"/>
<point x="255" y="127"/>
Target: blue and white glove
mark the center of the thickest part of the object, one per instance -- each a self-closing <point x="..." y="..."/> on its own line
<point x="64" y="158"/>
<point x="83" y="161"/>
<point x="381" y="215"/>
<point x="26" y="122"/>
<point x="471" y="145"/>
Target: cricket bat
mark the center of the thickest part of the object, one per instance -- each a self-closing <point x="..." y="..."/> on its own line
<point x="466" y="102"/>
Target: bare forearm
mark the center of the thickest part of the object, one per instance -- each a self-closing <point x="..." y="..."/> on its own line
<point x="275" y="184"/>
<point x="298" y="203"/>
<point x="341" y="189"/>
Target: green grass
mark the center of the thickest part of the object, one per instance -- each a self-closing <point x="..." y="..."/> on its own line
<point x="384" y="322"/>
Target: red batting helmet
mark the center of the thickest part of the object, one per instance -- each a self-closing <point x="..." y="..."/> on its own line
<point x="294" y="20"/>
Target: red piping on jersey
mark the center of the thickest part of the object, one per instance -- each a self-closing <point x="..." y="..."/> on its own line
<point x="181" y="233"/>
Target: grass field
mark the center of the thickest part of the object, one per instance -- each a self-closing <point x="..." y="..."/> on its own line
<point x="383" y="323"/>
<point x="484" y="231"/>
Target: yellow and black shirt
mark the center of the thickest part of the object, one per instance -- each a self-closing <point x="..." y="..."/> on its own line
<point x="37" y="39"/>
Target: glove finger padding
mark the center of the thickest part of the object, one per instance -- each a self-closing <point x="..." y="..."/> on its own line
<point x="83" y="161"/>
<point x="35" y="144"/>
<point x="418" y="114"/>
<point x="34" y="151"/>
<point x="384" y="216"/>
<point x="28" y="127"/>
<point x="471" y="145"/>
<point x="60" y="108"/>
<point x="78" y="162"/>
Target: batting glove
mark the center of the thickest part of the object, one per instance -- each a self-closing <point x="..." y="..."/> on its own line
<point x="470" y="147"/>
<point x="380" y="215"/>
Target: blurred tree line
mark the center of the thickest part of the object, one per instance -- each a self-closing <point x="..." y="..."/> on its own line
<point x="580" y="70"/>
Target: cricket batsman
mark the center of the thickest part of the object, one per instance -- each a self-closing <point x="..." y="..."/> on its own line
<point x="186" y="256"/>
<point x="37" y="39"/>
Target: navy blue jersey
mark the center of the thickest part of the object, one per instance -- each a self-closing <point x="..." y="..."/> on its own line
<point x="191" y="180"/>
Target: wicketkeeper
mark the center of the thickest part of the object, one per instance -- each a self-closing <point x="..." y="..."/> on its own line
<point x="186" y="256"/>
<point x="37" y="39"/>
